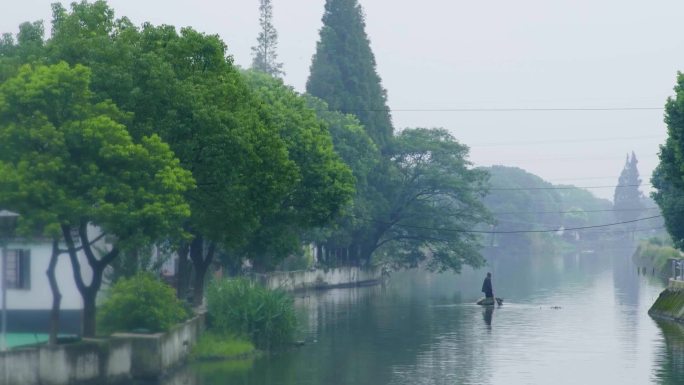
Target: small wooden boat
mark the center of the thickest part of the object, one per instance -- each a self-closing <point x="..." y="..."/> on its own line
<point x="490" y="301"/>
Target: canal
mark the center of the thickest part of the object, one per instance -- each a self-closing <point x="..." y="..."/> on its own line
<point x="575" y="319"/>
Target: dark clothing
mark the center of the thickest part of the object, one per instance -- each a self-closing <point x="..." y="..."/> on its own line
<point x="487" y="288"/>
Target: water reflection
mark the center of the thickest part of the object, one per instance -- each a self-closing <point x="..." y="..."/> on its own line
<point x="670" y="358"/>
<point x="567" y="319"/>
<point x="487" y="315"/>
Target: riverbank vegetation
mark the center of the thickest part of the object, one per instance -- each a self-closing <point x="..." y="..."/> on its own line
<point x="214" y="347"/>
<point x="141" y="303"/>
<point x="655" y="254"/>
<point x="242" y="308"/>
<point x="532" y="214"/>
<point x="523" y="202"/>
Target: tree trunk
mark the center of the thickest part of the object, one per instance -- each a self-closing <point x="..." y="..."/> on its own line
<point x="89" y="313"/>
<point x="88" y="292"/>
<point x="200" y="263"/>
<point x="198" y="289"/>
<point x="56" y="295"/>
<point x="320" y="260"/>
<point x="183" y="272"/>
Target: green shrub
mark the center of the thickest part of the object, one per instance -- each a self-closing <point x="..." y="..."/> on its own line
<point x="140" y="303"/>
<point x="240" y="307"/>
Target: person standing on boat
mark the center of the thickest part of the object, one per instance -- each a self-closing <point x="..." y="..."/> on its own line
<point x="487" y="287"/>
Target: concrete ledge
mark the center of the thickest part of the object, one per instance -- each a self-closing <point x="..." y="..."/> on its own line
<point x="153" y="355"/>
<point x="19" y="367"/>
<point x="319" y="279"/>
<point x="121" y="359"/>
<point x="76" y="363"/>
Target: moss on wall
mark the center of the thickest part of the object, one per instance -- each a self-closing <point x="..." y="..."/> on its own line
<point x="669" y="305"/>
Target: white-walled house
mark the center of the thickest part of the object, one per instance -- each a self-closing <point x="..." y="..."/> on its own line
<point x="29" y="299"/>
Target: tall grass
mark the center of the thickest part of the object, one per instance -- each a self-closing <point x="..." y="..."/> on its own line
<point x="240" y="307"/>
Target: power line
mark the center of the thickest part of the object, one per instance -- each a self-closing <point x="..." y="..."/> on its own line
<point x="564" y="187"/>
<point x="553" y="141"/>
<point x="510" y="109"/>
<point x="623" y="231"/>
<point x="573" y="211"/>
<point x="529" y="231"/>
<point x="564" y="159"/>
<point x="554" y="181"/>
<point x="503" y="222"/>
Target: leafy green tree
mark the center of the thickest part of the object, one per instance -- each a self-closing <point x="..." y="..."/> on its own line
<point x="265" y="52"/>
<point x="435" y="198"/>
<point x="69" y="166"/>
<point x="88" y="34"/>
<point x="343" y="70"/>
<point x="324" y="183"/>
<point x="241" y="164"/>
<point x="522" y="201"/>
<point x="185" y="88"/>
<point x="667" y="177"/>
<point x="576" y="200"/>
<point x="342" y="239"/>
<point x="575" y="217"/>
<point x="27" y="48"/>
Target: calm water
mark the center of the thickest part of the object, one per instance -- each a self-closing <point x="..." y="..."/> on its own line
<point x="578" y="319"/>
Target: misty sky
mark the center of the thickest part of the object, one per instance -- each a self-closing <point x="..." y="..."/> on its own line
<point x="454" y="54"/>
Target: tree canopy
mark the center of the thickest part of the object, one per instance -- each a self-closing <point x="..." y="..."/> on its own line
<point x="667" y="178"/>
<point x="68" y="162"/>
<point x="178" y="89"/>
<point x="434" y="197"/>
<point x="184" y="87"/>
<point x="323" y="183"/>
<point x="359" y="152"/>
<point x="521" y="201"/>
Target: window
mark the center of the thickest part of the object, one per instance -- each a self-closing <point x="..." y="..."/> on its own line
<point x="18" y="273"/>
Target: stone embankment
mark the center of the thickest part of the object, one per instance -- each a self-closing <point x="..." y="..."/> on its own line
<point x="319" y="278"/>
<point x="121" y="359"/>
<point x="128" y="358"/>
<point x="670" y="303"/>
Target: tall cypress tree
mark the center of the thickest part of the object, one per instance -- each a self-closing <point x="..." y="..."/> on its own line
<point x="627" y="200"/>
<point x="343" y="70"/>
<point x="265" y="52"/>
